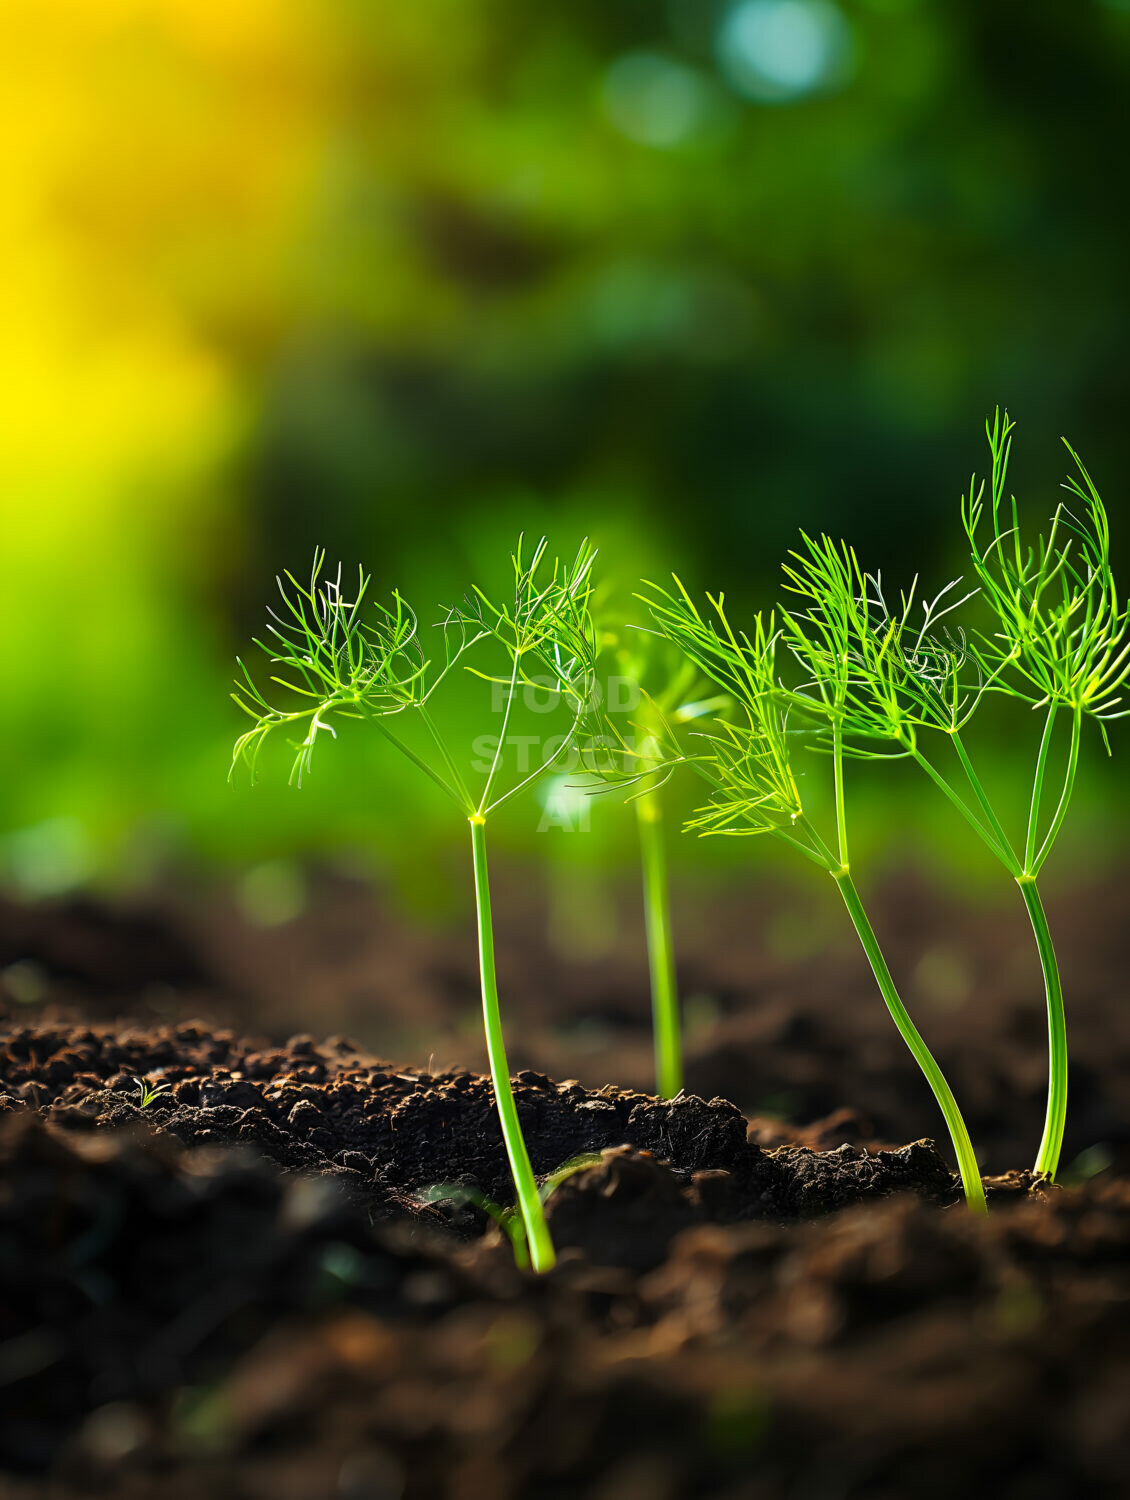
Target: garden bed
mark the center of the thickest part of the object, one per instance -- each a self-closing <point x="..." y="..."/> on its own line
<point x="782" y="1015"/>
<point x="197" y="1321"/>
<point x="387" y="1131"/>
<point x="234" y="1288"/>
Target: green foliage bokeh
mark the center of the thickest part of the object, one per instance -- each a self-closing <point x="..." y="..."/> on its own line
<point x="403" y="281"/>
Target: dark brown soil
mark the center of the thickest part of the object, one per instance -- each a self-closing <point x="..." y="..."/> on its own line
<point x="782" y="1015"/>
<point x="235" y="1291"/>
<point x="190" y="1322"/>
<point x="388" y="1132"/>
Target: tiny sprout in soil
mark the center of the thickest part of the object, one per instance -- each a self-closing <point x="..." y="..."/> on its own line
<point x="671" y="690"/>
<point x="339" y="660"/>
<point x="509" y="1220"/>
<point x="149" y="1091"/>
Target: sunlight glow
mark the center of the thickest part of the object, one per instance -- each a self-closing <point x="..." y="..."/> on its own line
<point x="775" y="51"/>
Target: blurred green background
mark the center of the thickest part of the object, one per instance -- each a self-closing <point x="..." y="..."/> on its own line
<point x="402" y="280"/>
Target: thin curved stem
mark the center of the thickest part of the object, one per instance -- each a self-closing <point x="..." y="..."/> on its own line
<point x="567" y="743"/>
<point x="542" y="1254"/>
<point x="959" y="1135"/>
<point x="1001" y="837"/>
<point x="453" y="769"/>
<point x="1051" y="1144"/>
<point x="666" y="1029"/>
<point x="485" y="799"/>
<point x="822" y="857"/>
<point x="820" y="854"/>
<point x="1003" y="854"/>
<point x="1047" y="1158"/>
<point x="841" y="808"/>
<point x="420" y="763"/>
<point x="1065" y="795"/>
<point x="1038" y="787"/>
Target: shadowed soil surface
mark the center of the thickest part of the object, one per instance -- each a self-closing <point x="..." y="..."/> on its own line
<point x="781" y="1012"/>
<point x="389" y="1132"/>
<point x="227" y="1285"/>
<point x="192" y="1322"/>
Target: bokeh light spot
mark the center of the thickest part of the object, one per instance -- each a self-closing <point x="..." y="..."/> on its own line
<point x="272" y="893"/>
<point x="775" y="51"/>
<point x="47" y="859"/>
<point x="661" y="103"/>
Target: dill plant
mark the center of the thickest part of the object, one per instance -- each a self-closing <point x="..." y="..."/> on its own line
<point x="350" y="658"/>
<point x="675" y="697"/>
<point x="1059" y="643"/>
<point x="749" y="762"/>
<point x="149" y="1091"/>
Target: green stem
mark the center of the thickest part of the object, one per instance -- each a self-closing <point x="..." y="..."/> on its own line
<point x="819" y="852"/>
<point x="485" y="799"/>
<point x="1065" y="795"/>
<point x="417" y="761"/>
<point x="841" y="806"/>
<point x="529" y="1204"/>
<point x="1038" y="787"/>
<point x="457" y="780"/>
<point x="986" y="805"/>
<point x="660" y="949"/>
<point x="567" y="742"/>
<point x="1047" y="1158"/>
<point x="966" y="1160"/>
<point x="1003" y="854"/>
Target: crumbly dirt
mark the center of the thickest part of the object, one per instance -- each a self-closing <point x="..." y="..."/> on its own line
<point x="781" y="1012"/>
<point x="390" y="1132"/>
<point x="191" y="1321"/>
<point x="235" y="1290"/>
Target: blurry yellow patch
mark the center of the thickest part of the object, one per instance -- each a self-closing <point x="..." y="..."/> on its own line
<point x="159" y="155"/>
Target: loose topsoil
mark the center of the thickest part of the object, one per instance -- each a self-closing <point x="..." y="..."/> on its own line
<point x="781" y="1012"/>
<point x="228" y="1285"/>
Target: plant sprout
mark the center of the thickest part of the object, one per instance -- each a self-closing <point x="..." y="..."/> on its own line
<point x="509" y="1220"/>
<point x="750" y="766"/>
<point x="678" y="701"/>
<point x="340" y="661"/>
<point x="1059" y="642"/>
<point x="149" y="1091"/>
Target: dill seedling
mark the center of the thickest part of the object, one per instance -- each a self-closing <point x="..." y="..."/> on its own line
<point x="1059" y="642"/>
<point x="149" y="1091"/>
<point x="648" y="659"/>
<point x="341" y="661"/>
<point x="750" y="767"/>
<point x="509" y="1220"/>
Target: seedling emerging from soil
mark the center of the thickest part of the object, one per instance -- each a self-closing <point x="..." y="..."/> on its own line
<point x="749" y="765"/>
<point x="149" y="1091"/>
<point x="341" y="662"/>
<point x="1059" y="642"/>
<point x="648" y="662"/>
<point x="509" y="1220"/>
